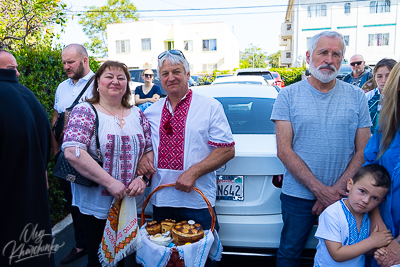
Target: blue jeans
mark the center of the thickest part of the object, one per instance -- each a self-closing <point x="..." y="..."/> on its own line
<point x="201" y="216"/>
<point x="298" y="221"/>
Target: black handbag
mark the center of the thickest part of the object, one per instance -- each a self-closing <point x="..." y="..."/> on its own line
<point x="64" y="169"/>
<point x="63" y="117"/>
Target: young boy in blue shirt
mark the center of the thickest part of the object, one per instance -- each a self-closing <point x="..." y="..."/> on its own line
<point x="343" y="229"/>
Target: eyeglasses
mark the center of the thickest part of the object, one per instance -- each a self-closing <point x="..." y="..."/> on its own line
<point x="148" y="75"/>
<point x="356" y="63"/>
<point x="174" y="52"/>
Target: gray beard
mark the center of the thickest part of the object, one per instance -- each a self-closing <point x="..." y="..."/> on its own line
<point x="321" y="76"/>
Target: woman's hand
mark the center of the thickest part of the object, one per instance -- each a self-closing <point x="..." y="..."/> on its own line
<point x="136" y="187"/>
<point x="116" y="188"/>
<point x="388" y="256"/>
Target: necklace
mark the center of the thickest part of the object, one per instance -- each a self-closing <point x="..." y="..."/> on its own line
<point x="116" y="117"/>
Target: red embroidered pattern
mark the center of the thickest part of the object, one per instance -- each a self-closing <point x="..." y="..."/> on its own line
<point x="172" y="135"/>
<point x="221" y="144"/>
<point x="80" y="126"/>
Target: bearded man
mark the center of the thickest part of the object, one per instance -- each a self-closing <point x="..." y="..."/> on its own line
<point x="76" y="65"/>
<point x="322" y="126"/>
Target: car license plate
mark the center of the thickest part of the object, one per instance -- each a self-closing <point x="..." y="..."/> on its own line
<point x="230" y="187"/>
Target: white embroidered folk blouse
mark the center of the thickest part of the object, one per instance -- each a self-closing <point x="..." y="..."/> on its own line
<point x="121" y="150"/>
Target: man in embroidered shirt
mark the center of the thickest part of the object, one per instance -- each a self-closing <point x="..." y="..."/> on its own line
<point x="191" y="139"/>
<point x="358" y="76"/>
<point x="76" y="65"/>
<point x="321" y="132"/>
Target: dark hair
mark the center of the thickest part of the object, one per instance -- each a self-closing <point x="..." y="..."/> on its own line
<point x="386" y="62"/>
<point x="380" y="174"/>
<point x="112" y="65"/>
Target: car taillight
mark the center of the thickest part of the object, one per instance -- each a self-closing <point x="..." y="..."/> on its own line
<point x="277" y="180"/>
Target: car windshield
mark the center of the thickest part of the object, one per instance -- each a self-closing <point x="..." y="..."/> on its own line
<point x="345" y="69"/>
<point x="239" y="82"/>
<point x="249" y="115"/>
<point x="275" y="75"/>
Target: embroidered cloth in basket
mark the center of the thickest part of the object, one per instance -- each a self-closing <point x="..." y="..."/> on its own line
<point x="195" y="254"/>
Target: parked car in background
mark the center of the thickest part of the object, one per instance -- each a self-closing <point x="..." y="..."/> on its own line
<point x="224" y="75"/>
<point x="278" y="79"/>
<point x="257" y="71"/>
<point x="248" y="204"/>
<point x="199" y="79"/>
<point x="136" y="77"/>
<point x="247" y="79"/>
<point x="192" y="82"/>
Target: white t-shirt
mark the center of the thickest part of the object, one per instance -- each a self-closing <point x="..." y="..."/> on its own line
<point x="67" y="91"/>
<point x="196" y="135"/>
<point x="333" y="226"/>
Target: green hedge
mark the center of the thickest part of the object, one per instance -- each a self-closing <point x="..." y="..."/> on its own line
<point x="41" y="71"/>
<point x="289" y="75"/>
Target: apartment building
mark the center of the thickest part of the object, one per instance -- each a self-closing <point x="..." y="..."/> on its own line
<point x="206" y="46"/>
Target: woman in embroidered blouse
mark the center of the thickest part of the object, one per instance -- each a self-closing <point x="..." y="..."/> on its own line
<point x="381" y="73"/>
<point x="147" y="94"/>
<point x="384" y="148"/>
<point x="124" y="135"/>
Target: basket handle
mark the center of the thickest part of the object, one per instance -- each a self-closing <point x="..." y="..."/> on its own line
<point x="210" y="209"/>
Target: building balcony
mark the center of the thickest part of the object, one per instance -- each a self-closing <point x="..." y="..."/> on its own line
<point x="283" y="41"/>
<point x="286" y="30"/>
<point x="286" y="57"/>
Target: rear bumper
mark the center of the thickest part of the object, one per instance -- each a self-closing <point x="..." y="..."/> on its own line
<point x="261" y="231"/>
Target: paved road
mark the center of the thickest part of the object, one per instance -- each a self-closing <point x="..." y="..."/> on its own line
<point x="67" y="236"/>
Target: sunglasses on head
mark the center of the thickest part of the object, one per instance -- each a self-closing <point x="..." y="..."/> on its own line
<point x="355" y="63"/>
<point x="174" y="52"/>
<point x="148" y="75"/>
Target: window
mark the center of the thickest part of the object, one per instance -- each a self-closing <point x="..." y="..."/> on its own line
<point x="379" y="6"/>
<point x="209" y="67"/>
<point x="210" y="45"/>
<point x="288" y="55"/>
<point x="123" y="46"/>
<point x="308" y="40"/>
<point x="347" y="8"/>
<point x="188" y="45"/>
<point x="169" y="45"/>
<point x="316" y="11"/>
<point x="378" y="39"/>
<point x="146" y="44"/>
<point x="346" y="40"/>
<point x="288" y="27"/>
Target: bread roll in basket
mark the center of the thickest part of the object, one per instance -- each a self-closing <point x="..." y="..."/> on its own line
<point x="184" y="232"/>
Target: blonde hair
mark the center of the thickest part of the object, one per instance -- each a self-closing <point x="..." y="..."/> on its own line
<point x="389" y="115"/>
<point x="145" y="71"/>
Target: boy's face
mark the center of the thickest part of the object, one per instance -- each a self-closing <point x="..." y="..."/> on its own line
<point x="363" y="195"/>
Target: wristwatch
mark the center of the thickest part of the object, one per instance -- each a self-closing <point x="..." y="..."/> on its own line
<point x="145" y="179"/>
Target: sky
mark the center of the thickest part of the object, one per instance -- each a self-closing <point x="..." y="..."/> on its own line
<point x="259" y="26"/>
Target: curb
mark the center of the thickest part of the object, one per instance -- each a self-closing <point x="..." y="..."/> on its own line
<point x="61" y="225"/>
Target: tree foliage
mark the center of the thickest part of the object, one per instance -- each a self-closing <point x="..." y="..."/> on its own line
<point x="253" y="57"/>
<point x="23" y="22"/>
<point x="41" y="71"/>
<point x="95" y="20"/>
<point x="274" y="59"/>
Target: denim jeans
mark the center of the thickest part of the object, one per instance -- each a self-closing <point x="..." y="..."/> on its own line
<point x="298" y="221"/>
<point x="201" y="216"/>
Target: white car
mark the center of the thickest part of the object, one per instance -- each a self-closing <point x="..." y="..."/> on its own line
<point x="249" y="186"/>
<point x="249" y="79"/>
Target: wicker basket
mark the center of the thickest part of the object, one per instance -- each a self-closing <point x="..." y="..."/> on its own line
<point x="175" y="260"/>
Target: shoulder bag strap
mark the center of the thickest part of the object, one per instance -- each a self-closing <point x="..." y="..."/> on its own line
<point x="96" y="132"/>
<point x="82" y="92"/>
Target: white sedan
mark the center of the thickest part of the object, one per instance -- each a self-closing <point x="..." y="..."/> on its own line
<point x="249" y="186"/>
<point x="246" y="79"/>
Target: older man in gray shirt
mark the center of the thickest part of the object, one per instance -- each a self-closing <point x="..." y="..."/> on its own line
<point x="321" y="131"/>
